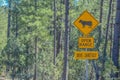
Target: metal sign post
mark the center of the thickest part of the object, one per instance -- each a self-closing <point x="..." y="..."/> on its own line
<point x="86" y="77"/>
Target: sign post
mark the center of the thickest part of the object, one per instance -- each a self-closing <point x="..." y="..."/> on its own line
<point x="86" y="23"/>
<point x="86" y="70"/>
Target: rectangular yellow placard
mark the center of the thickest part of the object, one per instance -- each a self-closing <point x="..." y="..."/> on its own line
<point x="86" y="42"/>
<point x="85" y="55"/>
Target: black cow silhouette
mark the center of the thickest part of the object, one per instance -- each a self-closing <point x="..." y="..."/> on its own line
<point x="84" y="23"/>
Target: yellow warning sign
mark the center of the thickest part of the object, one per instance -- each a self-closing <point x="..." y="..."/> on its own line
<point x="86" y="42"/>
<point x="86" y="22"/>
<point x="86" y="55"/>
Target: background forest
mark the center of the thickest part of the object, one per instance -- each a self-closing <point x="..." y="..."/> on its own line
<point x="38" y="39"/>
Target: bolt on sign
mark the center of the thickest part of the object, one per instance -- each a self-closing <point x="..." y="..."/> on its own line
<point x="86" y="42"/>
<point x="86" y="55"/>
<point x="86" y="23"/>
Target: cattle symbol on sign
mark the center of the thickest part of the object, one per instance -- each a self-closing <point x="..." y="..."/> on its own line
<point x="86" y="23"/>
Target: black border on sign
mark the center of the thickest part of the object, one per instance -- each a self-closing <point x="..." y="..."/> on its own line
<point x="91" y="16"/>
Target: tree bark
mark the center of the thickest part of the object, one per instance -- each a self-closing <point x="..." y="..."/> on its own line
<point x="66" y="47"/>
<point x="35" y="69"/>
<point x="58" y="41"/>
<point x="16" y="26"/>
<point x="106" y="38"/>
<point x="99" y="38"/>
<point x="9" y="18"/>
<point x="115" y="51"/>
<point x="59" y="31"/>
<point x="100" y="19"/>
<point x="36" y="41"/>
<point x="55" y="46"/>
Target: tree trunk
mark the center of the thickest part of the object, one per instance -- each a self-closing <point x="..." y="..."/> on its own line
<point x="115" y="51"/>
<point x="58" y="41"/>
<point x="35" y="69"/>
<point x="54" y="60"/>
<point x="16" y="25"/>
<point x="36" y="40"/>
<point x="111" y="35"/>
<point x="106" y="37"/>
<point x="66" y="47"/>
<point x="96" y="70"/>
<point x="59" y="31"/>
<point x="9" y="18"/>
<point x="13" y="73"/>
<point x="26" y="61"/>
<point x="99" y="38"/>
<point x="100" y="19"/>
<point x="8" y="29"/>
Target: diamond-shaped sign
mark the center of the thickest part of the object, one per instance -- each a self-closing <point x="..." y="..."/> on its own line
<point x="86" y="22"/>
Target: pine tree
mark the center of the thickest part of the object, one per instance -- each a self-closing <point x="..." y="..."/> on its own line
<point x="116" y="40"/>
<point x="55" y="45"/>
<point x="9" y="18"/>
<point x="66" y="47"/>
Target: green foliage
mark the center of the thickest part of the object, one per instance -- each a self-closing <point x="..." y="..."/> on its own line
<point x="3" y="28"/>
<point x="18" y="55"/>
